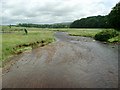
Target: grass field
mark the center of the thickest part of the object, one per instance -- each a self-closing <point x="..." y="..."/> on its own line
<point x="15" y="41"/>
<point x="84" y="32"/>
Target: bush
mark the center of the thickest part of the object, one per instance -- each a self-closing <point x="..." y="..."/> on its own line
<point x="105" y="35"/>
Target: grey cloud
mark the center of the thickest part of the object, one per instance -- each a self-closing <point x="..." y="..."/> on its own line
<point x="52" y="11"/>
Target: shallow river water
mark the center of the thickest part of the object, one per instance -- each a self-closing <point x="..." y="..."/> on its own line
<point x="70" y="62"/>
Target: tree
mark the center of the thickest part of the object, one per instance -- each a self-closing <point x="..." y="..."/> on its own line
<point x="114" y="17"/>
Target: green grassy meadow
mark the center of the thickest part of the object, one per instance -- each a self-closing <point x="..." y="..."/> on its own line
<point x="14" y="40"/>
<point x="84" y="32"/>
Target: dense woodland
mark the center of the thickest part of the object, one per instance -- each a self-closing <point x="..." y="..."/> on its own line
<point x="112" y="20"/>
<point x="114" y="17"/>
<point x="91" y="22"/>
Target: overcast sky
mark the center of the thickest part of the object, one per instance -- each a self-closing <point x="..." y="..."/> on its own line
<point x="52" y="11"/>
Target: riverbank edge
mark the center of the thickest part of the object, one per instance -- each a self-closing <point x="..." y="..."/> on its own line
<point x="23" y="48"/>
<point x="105" y="42"/>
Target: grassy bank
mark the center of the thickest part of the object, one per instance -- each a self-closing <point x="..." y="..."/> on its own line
<point x="17" y="42"/>
<point x="108" y="36"/>
<point x="84" y="32"/>
<point x="92" y="33"/>
<point x="115" y="39"/>
<point x="88" y="32"/>
<point x="79" y="32"/>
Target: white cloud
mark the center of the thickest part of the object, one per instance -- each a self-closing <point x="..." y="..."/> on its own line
<point x="52" y="11"/>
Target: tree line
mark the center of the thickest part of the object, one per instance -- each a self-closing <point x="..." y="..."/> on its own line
<point x="112" y="20"/>
<point x="91" y="22"/>
<point x="43" y="25"/>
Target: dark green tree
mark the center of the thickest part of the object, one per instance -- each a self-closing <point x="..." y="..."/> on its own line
<point x="114" y="17"/>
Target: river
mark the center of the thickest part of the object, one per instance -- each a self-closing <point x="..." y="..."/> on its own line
<point x="70" y="62"/>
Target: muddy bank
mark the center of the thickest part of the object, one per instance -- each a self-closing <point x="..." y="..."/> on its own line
<point x="70" y="62"/>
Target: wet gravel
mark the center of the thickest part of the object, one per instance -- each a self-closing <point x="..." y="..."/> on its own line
<point x="70" y="62"/>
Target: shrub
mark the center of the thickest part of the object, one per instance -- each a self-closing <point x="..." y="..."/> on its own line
<point x="105" y="35"/>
